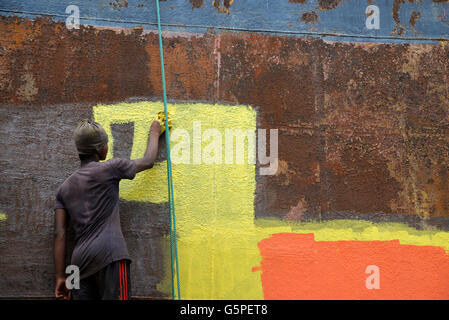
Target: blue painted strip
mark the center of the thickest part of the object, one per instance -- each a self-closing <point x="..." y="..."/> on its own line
<point x="346" y="22"/>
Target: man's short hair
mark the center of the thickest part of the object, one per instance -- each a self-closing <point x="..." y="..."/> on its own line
<point x="89" y="137"/>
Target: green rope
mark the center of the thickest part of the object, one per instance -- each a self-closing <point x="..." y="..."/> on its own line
<point x="171" y="201"/>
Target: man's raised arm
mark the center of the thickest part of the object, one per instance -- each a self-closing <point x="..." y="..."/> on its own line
<point x="151" y="153"/>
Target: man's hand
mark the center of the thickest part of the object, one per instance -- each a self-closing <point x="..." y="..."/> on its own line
<point x="61" y="291"/>
<point x="161" y="119"/>
<point x="156" y="127"/>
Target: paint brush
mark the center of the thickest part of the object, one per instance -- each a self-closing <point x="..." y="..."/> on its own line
<point x="161" y="119"/>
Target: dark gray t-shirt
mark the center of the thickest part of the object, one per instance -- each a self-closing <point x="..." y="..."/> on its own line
<point x="91" y="196"/>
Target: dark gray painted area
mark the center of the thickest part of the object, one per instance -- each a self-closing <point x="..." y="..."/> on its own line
<point x="122" y="134"/>
<point x="37" y="154"/>
<point x="144" y="225"/>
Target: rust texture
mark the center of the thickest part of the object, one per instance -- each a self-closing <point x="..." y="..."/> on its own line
<point x="223" y="6"/>
<point x="363" y="128"/>
<point x="414" y="17"/>
<point x="328" y="4"/>
<point x="118" y="4"/>
<point x="61" y="69"/>
<point x="399" y="29"/>
<point x="370" y="135"/>
<point x="396" y="6"/>
<point x="322" y="4"/>
<point x="196" y="3"/>
<point x="309" y="17"/>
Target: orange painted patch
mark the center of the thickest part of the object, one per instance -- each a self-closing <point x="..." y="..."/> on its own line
<point x="295" y="266"/>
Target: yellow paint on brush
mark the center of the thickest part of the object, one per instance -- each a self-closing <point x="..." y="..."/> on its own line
<point x="217" y="232"/>
<point x="3" y="216"/>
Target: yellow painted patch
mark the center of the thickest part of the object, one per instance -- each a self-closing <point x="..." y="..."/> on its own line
<point x="217" y="232"/>
<point x="3" y="216"/>
<point x="149" y="185"/>
<point x="208" y="198"/>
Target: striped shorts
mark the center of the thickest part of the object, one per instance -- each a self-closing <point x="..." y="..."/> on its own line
<point x="110" y="283"/>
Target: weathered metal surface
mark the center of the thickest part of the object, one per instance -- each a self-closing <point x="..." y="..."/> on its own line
<point x="398" y="19"/>
<point x="363" y="127"/>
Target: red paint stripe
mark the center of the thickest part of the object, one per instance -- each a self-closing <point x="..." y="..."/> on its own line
<point x="120" y="273"/>
<point x="123" y="281"/>
<point x="126" y="281"/>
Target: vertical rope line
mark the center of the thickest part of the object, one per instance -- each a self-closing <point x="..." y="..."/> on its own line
<point x="173" y="241"/>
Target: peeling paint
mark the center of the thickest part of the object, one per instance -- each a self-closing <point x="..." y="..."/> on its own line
<point x="400" y="28"/>
<point x="309" y="17"/>
<point x="223" y="6"/>
<point x="414" y="17"/>
<point x="28" y="89"/>
<point x="118" y="4"/>
<point x="328" y="4"/>
<point x="196" y="3"/>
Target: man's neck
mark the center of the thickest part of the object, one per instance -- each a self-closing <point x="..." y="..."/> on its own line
<point x="86" y="161"/>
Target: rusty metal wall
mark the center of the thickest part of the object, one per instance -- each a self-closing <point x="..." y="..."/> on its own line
<point x="363" y="127"/>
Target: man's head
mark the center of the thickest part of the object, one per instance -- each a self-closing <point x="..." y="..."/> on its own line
<point x="91" y="139"/>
